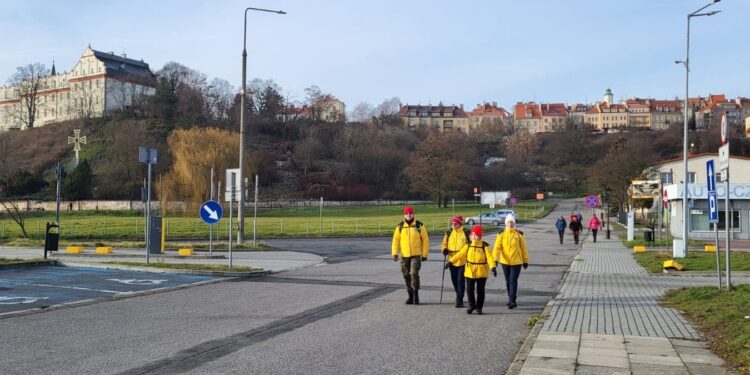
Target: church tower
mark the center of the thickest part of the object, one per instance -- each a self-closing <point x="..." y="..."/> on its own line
<point x="608" y="97"/>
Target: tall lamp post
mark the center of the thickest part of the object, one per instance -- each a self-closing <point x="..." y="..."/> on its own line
<point x="686" y="63"/>
<point x="240" y="206"/>
<point x="608" y="198"/>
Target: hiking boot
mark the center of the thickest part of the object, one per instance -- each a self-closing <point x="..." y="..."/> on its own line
<point x="416" y="296"/>
<point x="479" y="311"/>
<point x="410" y="301"/>
<point x="470" y="310"/>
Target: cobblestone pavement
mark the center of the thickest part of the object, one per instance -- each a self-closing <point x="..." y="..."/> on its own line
<point x="607" y="319"/>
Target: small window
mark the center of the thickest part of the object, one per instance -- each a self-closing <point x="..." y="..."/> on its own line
<point x="691" y="177"/>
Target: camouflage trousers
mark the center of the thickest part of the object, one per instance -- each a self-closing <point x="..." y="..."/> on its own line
<point x="410" y="269"/>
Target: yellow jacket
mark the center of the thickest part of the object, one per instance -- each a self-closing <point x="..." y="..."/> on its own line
<point x="411" y="239"/>
<point x="510" y="248"/>
<point x="455" y="240"/>
<point x="478" y="260"/>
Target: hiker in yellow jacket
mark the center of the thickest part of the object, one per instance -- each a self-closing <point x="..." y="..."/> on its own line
<point x="410" y="239"/>
<point x="453" y="241"/>
<point x="510" y="251"/>
<point x="479" y="262"/>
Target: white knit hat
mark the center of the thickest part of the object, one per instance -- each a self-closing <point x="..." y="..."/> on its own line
<point x="509" y="218"/>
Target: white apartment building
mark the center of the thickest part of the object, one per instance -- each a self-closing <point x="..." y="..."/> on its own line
<point x="100" y="83"/>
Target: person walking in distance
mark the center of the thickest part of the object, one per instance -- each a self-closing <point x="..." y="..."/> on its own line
<point x="510" y="250"/>
<point x="453" y="241"/>
<point x="560" y="224"/>
<point x="576" y="227"/>
<point x="594" y="225"/>
<point x="411" y="241"/>
<point x="479" y="263"/>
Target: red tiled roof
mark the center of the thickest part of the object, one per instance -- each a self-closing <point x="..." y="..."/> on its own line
<point x="488" y="109"/>
<point x="554" y="109"/>
<point x="527" y="110"/>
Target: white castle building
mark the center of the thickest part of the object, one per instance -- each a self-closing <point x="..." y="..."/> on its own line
<point x="99" y="84"/>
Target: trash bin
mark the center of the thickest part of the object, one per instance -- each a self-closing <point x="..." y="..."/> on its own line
<point x="51" y="239"/>
<point x="648" y="236"/>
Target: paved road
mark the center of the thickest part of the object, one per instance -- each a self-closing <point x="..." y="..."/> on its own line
<point x="344" y="316"/>
<point x="22" y="289"/>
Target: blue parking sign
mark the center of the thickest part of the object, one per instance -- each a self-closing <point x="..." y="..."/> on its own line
<point x="713" y="208"/>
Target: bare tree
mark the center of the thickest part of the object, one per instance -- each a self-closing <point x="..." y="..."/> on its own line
<point x="362" y="112"/>
<point x="219" y="98"/>
<point x="12" y="209"/>
<point x="28" y="81"/>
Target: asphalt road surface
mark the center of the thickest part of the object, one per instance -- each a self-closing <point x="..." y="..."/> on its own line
<point x="22" y="289"/>
<point x="345" y="316"/>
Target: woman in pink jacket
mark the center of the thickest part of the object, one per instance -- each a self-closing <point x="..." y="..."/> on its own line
<point x="594" y="225"/>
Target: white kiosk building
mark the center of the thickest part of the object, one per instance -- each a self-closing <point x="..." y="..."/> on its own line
<point x="699" y="228"/>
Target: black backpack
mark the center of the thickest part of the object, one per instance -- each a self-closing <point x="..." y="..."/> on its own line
<point x="418" y="225"/>
<point x="466" y="233"/>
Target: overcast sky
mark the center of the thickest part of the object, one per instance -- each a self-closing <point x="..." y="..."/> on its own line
<point x="457" y="52"/>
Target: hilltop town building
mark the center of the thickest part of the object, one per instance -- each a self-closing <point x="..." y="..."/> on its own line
<point x="99" y="84"/>
<point x="439" y="117"/>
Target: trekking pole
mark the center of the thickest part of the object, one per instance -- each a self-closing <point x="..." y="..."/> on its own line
<point x="445" y="258"/>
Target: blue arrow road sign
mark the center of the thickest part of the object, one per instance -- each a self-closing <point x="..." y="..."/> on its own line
<point x="713" y="208"/>
<point x="211" y="212"/>
<point x="710" y="176"/>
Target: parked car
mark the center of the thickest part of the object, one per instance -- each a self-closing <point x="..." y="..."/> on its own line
<point x="487" y="218"/>
<point x="504" y="213"/>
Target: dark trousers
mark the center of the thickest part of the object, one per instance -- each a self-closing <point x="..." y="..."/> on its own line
<point x="511" y="280"/>
<point x="561" y="232"/>
<point x="575" y="236"/>
<point x="459" y="283"/>
<point x="593" y="233"/>
<point x="479" y="301"/>
<point x="410" y="269"/>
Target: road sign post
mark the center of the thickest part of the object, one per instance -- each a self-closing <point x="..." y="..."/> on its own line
<point x="713" y="212"/>
<point x="210" y="212"/>
<point x="147" y="155"/>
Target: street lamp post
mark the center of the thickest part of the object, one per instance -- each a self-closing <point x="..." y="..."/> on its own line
<point x="240" y="206"/>
<point x="686" y="63"/>
<point x="608" y="196"/>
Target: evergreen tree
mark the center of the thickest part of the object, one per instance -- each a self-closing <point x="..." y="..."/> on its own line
<point x="77" y="184"/>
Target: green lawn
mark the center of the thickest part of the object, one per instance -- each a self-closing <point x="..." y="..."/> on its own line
<point x="652" y="261"/>
<point x="271" y="223"/>
<point x="721" y="317"/>
<point x="187" y="266"/>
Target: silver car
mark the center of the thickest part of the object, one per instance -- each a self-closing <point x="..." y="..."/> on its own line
<point x="486" y="218"/>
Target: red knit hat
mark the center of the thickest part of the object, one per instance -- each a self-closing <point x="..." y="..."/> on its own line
<point x="408" y="210"/>
<point x="458" y="219"/>
<point x="477" y="230"/>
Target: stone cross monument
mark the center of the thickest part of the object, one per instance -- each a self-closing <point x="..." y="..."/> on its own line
<point x="77" y="140"/>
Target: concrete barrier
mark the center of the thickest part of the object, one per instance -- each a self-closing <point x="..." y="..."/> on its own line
<point x="639" y="249"/>
<point x="104" y="250"/>
<point x="75" y="249"/>
<point x="185" y="252"/>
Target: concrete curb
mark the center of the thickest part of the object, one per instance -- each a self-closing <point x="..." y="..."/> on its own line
<point x="116" y="255"/>
<point x="234" y="274"/>
<point x="29" y="264"/>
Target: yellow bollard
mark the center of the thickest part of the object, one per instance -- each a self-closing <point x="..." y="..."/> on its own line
<point x="185" y="252"/>
<point x="75" y="249"/>
<point x="104" y="250"/>
<point x="672" y="265"/>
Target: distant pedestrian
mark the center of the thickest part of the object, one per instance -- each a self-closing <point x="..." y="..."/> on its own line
<point x="510" y="250"/>
<point x="479" y="263"/>
<point x="560" y="224"/>
<point x="410" y="239"/>
<point x="594" y="225"/>
<point x="579" y="217"/>
<point x="576" y="227"/>
<point x="453" y="241"/>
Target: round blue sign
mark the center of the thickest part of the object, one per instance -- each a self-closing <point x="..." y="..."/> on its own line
<point x="592" y="201"/>
<point x="211" y="212"/>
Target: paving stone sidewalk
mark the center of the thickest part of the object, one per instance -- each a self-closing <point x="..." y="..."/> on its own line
<point x="607" y="319"/>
